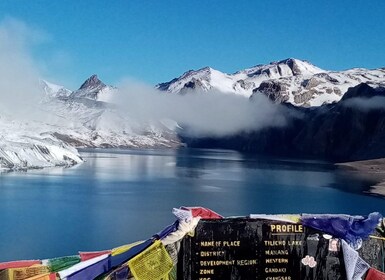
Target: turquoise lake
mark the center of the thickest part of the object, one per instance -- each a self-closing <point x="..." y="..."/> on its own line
<point x="121" y="196"/>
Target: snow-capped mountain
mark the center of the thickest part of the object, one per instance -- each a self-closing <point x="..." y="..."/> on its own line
<point x="85" y="118"/>
<point x="291" y="80"/>
<point x="54" y="91"/>
<point x="87" y="123"/>
<point x="24" y="146"/>
<point x="94" y="89"/>
<point x="65" y="120"/>
<point x="284" y="68"/>
<point x="204" y="79"/>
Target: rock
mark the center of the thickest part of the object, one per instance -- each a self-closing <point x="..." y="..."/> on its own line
<point x="313" y="82"/>
<point x="303" y="97"/>
<point x="92" y="83"/>
<point x="243" y="84"/>
<point x="274" y="90"/>
<point x="337" y="91"/>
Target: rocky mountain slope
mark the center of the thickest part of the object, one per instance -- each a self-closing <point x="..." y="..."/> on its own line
<point x="347" y="126"/>
<point x="22" y="146"/>
<point x="351" y="129"/>
<point x="66" y="120"/>
<point x="291" y="80"/>
<point x="86" y="118"/>
<point x="94" y="89"/>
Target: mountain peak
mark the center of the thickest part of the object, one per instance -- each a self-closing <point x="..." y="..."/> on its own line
<point x="207" y="68"/>
<point x="289" y="60"/>
<point x="92" y="82"/>
<point x="292" y="60"/>
<point x="291" y="80"/>
<point x="94" y="89"/>
<point x="202" y="71"/>
<point x="299" y="67"/>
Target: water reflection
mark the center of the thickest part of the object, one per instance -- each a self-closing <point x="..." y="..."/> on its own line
<point x="117" y="196"/>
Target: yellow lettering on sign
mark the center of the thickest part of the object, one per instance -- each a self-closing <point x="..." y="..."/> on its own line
<point x="246" y="262"/>
<point x="207" y="243"/>
<point x="232" y="243"/>
<point x="294" y="243"/>
<point x="212" y="253"/>
<point x="275" y="270"/>
<point x="276" y="260"/>
<point x="291" y="228"/>
<point x="276" y="252"/>
<point x="206" y="271"/>
<point x="275" y="242"/>
<point x="216" y="263"/>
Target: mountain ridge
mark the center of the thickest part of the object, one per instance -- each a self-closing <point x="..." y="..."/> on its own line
<point x="348" y="130"/>
<point x="289" y="80"/>
<point x="86" y="118"/>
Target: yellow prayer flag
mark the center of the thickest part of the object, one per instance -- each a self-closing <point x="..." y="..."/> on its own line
<point x="23" y="272"/>
<point x="124" y="248"/>
<point x="154" y="263"/>
<point x="46" y="276"/>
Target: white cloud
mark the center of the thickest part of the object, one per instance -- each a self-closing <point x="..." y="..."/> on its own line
<point x="366" y="104"/>
<point x="204" y="113"/>
<point x="19" y="74"/>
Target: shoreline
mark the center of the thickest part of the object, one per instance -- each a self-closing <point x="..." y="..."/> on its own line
<point x="373" y="169"/>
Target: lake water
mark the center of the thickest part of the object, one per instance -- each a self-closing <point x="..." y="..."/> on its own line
<point x="117" y="197"/>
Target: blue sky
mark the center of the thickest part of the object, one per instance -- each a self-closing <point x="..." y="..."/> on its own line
<point x="155" y="41"/>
